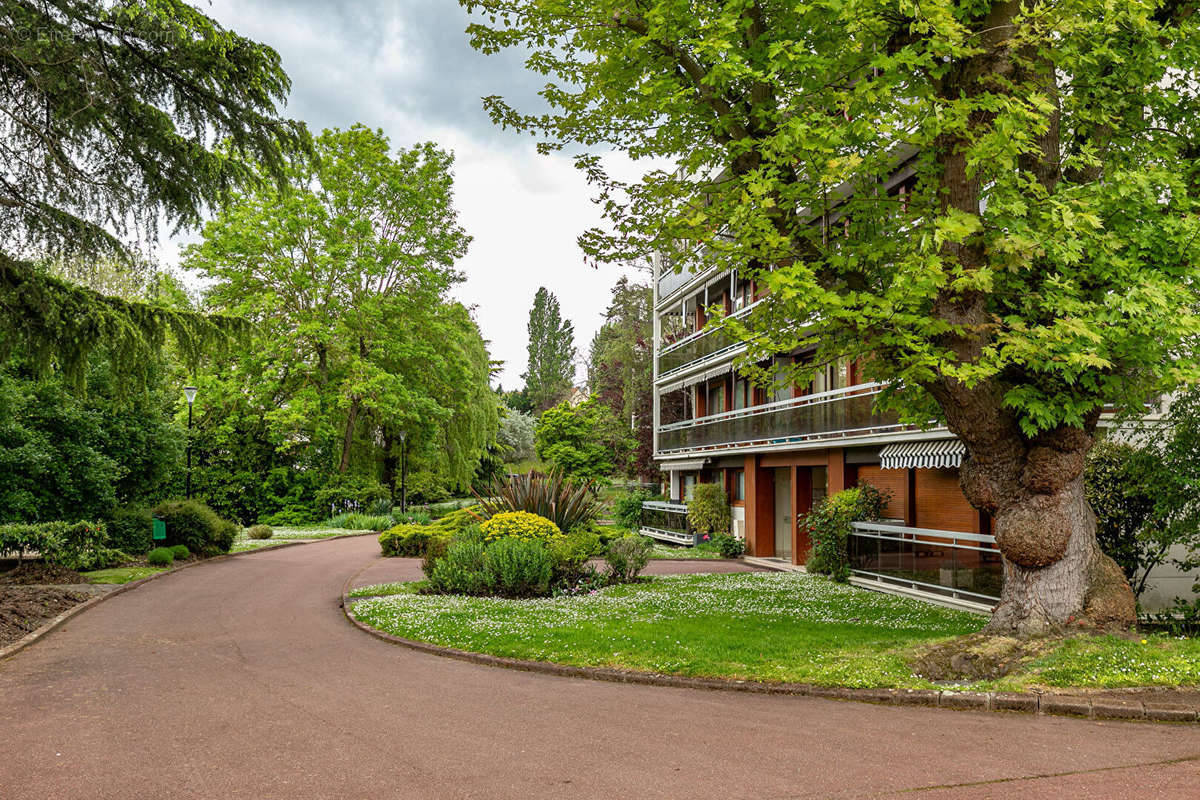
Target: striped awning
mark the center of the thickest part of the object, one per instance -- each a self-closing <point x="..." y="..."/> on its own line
<point x="698" y="377"/>
<point x="940" y="453"/>
<point x="684" y="466"/>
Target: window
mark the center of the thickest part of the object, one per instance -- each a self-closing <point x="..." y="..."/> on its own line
<point x="716" y="399"/>
<point x="738" y="483"/>
<point x="820" y="485"/>
<point x="688" y="485"/>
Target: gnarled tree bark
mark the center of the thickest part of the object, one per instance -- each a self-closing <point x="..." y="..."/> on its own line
<point x="1055" y="574"/>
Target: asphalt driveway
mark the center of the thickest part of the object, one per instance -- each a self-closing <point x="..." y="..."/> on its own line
<point x="241" y="678"/>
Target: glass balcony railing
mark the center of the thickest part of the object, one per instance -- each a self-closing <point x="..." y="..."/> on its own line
<point x="697" y="346"/>
<point x="842" y="413"/>
<point x="963" y="565"/>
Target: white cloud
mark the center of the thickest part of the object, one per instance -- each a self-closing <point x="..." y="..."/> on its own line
<point x="408" y="68"/>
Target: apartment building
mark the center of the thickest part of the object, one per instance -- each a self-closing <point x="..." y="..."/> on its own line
<point x="778" y="454"/>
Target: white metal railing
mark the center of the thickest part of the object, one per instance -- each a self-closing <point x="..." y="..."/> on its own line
<point x="903" y="533"/>
<point x="663" y="505"/>
<point x="779" y="405"/>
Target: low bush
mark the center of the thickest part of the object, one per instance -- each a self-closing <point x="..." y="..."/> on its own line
<point x="180" y="552"/>
<point x="627" y="508"/>
<point x="411" y="541"/>
<point x="75" y="545"/>
<point x="457" y="521"/>
<point x="519" y="525"/>
<point x="362" y="522"/>
<point x="708" y="510"/>
<point x="131" y="530"/>
<point x="516" y="567"/>
<point x="196" y="526"/>
<point x="571" y="554"/>
<point x="460" y="570"/>
<point x="829" y="525"/>
<point x="728" y="546"/>
<point x="260" y="532"/>
<point x="160" y="557"/>
<point x="627" y="557"/>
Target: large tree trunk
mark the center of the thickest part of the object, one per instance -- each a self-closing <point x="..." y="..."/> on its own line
<point x="1055" y="575"/>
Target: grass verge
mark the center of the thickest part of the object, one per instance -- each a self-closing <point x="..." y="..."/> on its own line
<point x="120" y="574"/>
<point x="772" y="627"/>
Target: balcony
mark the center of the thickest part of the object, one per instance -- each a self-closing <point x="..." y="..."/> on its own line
<point x="701" y="345"/>
<point x="667" y="522"/>
<point x="964" y="566"/>
<point x="839" y="414"/>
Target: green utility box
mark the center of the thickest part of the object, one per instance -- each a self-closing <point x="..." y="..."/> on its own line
<point x="160" y="530"/>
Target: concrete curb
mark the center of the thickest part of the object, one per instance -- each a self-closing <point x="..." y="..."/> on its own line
<point x="1039" y="703"/>
<point x="36" y="635"/>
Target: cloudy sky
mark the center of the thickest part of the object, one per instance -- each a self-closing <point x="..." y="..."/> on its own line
<point x="406" y="66"/>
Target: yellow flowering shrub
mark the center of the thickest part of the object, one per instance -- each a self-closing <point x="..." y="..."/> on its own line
<point x="519" y="525"/>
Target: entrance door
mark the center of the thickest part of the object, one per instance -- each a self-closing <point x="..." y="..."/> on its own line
<point x="783" y="513"/>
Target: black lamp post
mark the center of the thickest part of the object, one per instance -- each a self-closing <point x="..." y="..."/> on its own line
<point x="190" y="393"/>
<point x="403" y="472"/>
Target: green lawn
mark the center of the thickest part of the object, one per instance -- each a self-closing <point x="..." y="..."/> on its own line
<point x="667" y="551"/>
<point x="120" y="574"/>
<point x="303" y="533"/>
<point x="757" y="626"/>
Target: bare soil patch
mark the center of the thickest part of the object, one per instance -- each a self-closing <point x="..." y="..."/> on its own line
<point x="24" y="609"/>
<point x="977" y="657"/>
<point x="37" y="573"/>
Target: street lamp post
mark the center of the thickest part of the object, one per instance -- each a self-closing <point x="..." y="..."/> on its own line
<point x="190" y="393"/>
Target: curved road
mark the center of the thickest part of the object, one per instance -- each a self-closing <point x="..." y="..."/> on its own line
<point x="241" y="678"/>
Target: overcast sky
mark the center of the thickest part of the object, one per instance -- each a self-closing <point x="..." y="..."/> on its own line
<point x="406" y="66"/>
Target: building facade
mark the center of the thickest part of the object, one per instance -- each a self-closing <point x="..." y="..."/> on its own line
<point x="778" y="454"/>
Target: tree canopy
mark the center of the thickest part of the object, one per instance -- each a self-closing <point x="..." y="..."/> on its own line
<point x="992" y="204"/>
<point x="621" y="368"/>
<point x="114" y="116"/>
<point x="550" y="373"/>
<point x="344" y="272"/>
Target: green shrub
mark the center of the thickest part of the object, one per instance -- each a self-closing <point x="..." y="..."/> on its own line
<point x="160" y="557"/>
<point x="289" y="517"/>
<point x="460" y="570"/>
<point x="260" y="532"/>
<point x="457" y="521"/>
<point x="515" y="567"/>
<point x="728" y="546"/>
<point x="708" y="510"/>
<point x="409" y="541"/>
<point x="180" y="552"/>
<point x="627" y="557"/>
<point x="362" y="522"/>
<point x="74" y="545"/>
<point x="131" y="530"/>
<point x="627" y="508"/>
<point x="572" y="552"/>
<point x="829" y="525"/>
<point x="519" y="525"/>
<point x="196" y="526"/>
<point x="567" y="503"/>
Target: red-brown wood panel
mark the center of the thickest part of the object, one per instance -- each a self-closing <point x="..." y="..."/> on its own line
<point x="941" y="504"/>
<point x="894" y="481"/>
